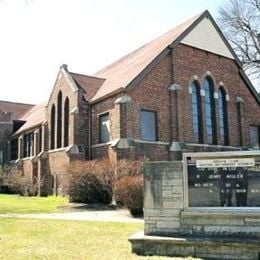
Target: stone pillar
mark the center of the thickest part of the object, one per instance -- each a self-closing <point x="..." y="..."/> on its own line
<point x="123" y="123"/>
<point x="163" y="197"/>
<point x="177" y="145"/>
<point x="123" y="103"/>
<point x="176" y="108"/>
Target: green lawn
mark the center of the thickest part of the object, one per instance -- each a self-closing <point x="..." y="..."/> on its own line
<point x="57" y="239"/>
<point x="19" y="204"/>
<point x="51" y="239"/>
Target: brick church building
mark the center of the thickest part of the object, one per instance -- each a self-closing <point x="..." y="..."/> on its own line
<point x="184" y="91"/>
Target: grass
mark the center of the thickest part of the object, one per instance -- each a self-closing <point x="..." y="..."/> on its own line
<point x="57" y="239"/>
<point x="51" y="239"/>
<point x="19" y="204"/>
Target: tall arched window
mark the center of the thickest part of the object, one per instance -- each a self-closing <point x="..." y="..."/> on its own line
<point x="196" y="113"/>
<point x="59" y="119"/>
<point x="53" y="127"/>
<point x="66" y="122"/>
<point x="223" y="119"/>
<point x="210" y="112"/>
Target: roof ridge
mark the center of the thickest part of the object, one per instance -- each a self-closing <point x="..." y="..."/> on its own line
<point x="18" y="103"/>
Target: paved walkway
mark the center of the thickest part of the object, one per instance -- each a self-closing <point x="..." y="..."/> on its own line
<point x="120" y="215"/>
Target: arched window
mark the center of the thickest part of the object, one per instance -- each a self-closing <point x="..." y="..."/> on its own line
<point x="223" y="119"/>
<point x="66" y="122"/>
<point x="196" y="113"/>
<point x="53" y="127"/>
<point x="59" y="119"/>
<point x="210" y="112"/>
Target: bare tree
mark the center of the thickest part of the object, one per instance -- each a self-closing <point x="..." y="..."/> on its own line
<point x="240" y="22"/>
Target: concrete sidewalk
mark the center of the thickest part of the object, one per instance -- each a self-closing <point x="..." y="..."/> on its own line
<point x="121" y="215"/>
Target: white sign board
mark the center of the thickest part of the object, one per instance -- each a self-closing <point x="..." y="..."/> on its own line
<point x="226" y="163"/>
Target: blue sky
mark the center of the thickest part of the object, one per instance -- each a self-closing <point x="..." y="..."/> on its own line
<point x="37" y="36"/>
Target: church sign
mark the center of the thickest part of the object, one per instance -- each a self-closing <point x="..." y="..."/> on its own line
<point x="223" y="181"/>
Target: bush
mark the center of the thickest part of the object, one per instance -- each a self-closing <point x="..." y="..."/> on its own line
<point x="14" y="181"/>
<point x="127" y="168"/>
<point x="3" y="187"/>
<point x="100" y="181"/>
<point x="90" y="182"/>
<point x="129" y="192"/>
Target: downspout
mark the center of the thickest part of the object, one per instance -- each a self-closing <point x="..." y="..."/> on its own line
<point x="173" y="105"/>
<point x="171" y="98"/>
<point x="177" y="116"/>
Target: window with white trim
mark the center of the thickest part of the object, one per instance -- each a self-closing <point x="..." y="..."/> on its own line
<point x="148" y="125"/>
<point x="254" y="137"/>
<point x="104" y="128"/>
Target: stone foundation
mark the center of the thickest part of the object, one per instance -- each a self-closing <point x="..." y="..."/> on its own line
<point x="203" y="247"/>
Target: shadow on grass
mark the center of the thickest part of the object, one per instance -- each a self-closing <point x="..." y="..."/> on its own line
<point x="90" y="207"/>
<point x="95" y="207"/>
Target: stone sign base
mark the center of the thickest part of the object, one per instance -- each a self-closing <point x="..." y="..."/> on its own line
<point x="204" y="247"/>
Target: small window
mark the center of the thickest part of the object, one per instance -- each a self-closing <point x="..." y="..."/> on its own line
<point x="104" y="128"/>
<point x="66" y="122"/>
<point x="14" y="149"/>
<point x="59" y="120"/>
<point x="197" y="125"/>
<point x="28" y="144"/>
<point x="40" y="140"/>
<point x="148" y="125"/>
<point x="223" y="121"/>
<point x="254" y="137"/>
<point x="210" y="112"/>
<point x="53" y="127"/>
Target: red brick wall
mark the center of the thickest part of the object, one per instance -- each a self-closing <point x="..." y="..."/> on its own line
<point x="81" y="123"/>
<point x="107" y="105"/>
<point x="189" y="61"/>
<point x="58" y="162"/>
<point x="152" y="94"/>
<point x="63" y="85"/>
<point x="30" y="169"/>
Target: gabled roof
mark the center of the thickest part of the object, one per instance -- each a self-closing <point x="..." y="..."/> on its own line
<point x="33" y="118"/>
<point x="89" y="84"/>
<point x="132" y="68"/>
<point x="121" y="73"/>
<point x="16" y="109"/>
